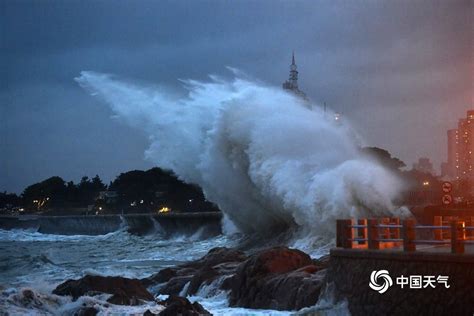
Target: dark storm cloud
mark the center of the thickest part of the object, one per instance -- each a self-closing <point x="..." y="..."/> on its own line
<point x="399" y="70"/>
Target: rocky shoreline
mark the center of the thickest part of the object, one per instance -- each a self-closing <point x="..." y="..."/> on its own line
<point x="278" y="278"/>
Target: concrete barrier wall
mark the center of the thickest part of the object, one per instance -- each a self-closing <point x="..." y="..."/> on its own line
<point x="350" y="272"/>
<point x="167" y="224"/>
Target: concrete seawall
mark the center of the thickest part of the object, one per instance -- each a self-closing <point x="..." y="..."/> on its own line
<point x="350" y="271"/>
<point x="187" y="223"/>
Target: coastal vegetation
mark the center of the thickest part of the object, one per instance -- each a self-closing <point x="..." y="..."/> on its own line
<point x="135" y="191"/>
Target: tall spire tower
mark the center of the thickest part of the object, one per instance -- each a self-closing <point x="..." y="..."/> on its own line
<point x="292" y="83"/>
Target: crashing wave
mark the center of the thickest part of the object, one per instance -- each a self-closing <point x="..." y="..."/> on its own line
<point x="266" y="159"/>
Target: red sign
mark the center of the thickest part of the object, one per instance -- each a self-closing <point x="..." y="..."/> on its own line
<point x="447" y="187"/>
<point x="447" y="199"/>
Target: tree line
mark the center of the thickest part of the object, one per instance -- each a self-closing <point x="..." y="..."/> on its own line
<point x="132" y="191"/>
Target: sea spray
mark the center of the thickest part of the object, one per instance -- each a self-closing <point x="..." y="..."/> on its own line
<point x="267" y="159"/>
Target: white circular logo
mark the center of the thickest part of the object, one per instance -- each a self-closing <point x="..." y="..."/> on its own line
<point x="384" y="276"/>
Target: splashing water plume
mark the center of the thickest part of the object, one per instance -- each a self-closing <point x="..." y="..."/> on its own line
<point x="261" y="154"/>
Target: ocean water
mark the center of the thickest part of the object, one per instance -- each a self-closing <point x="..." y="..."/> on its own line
<point x="31" y="260"/>
<point x="39" y="262"/>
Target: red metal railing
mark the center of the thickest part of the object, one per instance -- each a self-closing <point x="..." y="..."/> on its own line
<point x="389" y="233"/>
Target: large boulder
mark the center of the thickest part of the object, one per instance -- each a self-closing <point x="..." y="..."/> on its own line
<point x="86" y="311"/>
<point x="217" y="262"/>
<point x="176" y="305"/>
<point x="279" y="278"/>
<point x="125" y="291"/>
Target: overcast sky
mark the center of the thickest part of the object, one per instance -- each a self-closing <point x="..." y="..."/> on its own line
<point x="400" y="71"/>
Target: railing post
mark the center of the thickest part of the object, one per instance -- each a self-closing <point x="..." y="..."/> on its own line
<point x="457" y="237"/>
<point x="409" y="235"/>
<point x="438" y="233"/>
<point x="384" y="232"/>
<point x="363" y="231"/>
<point x="396" y="230"/>
<point x="373" y="234"/>
<point x="348" y="233"/>
<point x="339" y="232"/>
<point x="344" y="233"/>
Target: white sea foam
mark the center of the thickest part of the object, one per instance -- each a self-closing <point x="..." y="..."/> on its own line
<point x="261" y="154"/>
<point x="29" y="301"/>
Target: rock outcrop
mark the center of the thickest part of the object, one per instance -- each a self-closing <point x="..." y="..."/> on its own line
<point x="277" y="278"/>
<point x="176" y="305"/>
<point x="217" y="262"/>
<point x="125" y="291"/>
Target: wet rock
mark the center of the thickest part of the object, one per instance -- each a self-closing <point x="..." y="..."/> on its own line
<point x="123" y="289"/>
<point x="121" y="298"/>
<point x="86" y="311"/>
<point x="162" y="276"/>
<point x="175" y="285"/>
<point x="292" y="291"/>
<point x="218" y="261"/>
<point x="217" y="256"/>
<point x="203" y="276"/>
<point x="323" y="262"/>
<point x="28" y="297"/>
<point x="279" y="278"/>
<point x="176" y="305"/>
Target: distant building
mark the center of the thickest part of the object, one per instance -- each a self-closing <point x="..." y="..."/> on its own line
<point x="453" y="159"/>
<point x="424" y="165"/>
<point x="460" y="150"/>
<point x="292" y="83"/>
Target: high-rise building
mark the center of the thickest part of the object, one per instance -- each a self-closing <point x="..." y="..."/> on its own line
<point x="461" y="149"/>
<point x="424" y="165"/>
<point x="292" y="83"/>
<point x="453" y="159"/>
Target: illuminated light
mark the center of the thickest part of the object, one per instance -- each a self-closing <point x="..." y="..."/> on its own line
<point x="141" y="201"/>
<point x="164" y="209"/>
<point x="426" y="183"/>
<point x="100" y="208"/>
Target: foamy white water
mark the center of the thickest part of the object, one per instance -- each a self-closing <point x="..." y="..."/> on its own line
<point x="270" y="161"/>
<point x="39" y="262"/>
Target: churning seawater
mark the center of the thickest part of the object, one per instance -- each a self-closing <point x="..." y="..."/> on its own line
<point x="31" y="260"/>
